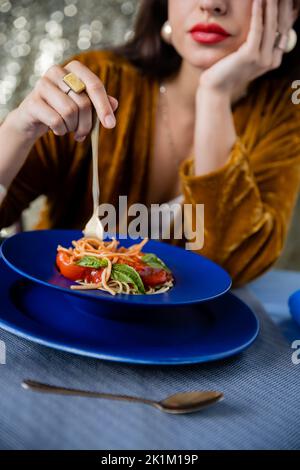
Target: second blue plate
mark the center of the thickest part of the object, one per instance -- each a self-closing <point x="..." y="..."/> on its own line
<point x="182" y="335"/>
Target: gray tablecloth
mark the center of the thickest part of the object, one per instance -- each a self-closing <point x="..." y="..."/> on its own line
<point x="260" y="411"/>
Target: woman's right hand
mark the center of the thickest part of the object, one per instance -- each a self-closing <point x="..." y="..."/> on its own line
<point x="49" y="107"/>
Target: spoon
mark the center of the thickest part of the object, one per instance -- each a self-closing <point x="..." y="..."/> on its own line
<point x="180" y="403"/>
<point x="94" y="227"/>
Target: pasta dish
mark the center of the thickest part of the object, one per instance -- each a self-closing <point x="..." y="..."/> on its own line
<point x="105" y="265"/>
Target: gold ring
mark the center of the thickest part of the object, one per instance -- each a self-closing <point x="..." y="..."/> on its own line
<point x="281" y="41"/>
<point x="74" y="83"/>
<point x="286" y="42"/>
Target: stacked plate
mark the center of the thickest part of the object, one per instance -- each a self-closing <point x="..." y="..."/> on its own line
<point x="198" y="320"/>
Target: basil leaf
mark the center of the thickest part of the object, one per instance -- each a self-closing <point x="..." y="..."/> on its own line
<point x="154" y="262"/>
<point x="125" y="273"/>
<point x="92" y="262"/>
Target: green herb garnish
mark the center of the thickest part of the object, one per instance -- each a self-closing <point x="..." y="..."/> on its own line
<point x="154" y="262"/>
<point x="125" y="273"/>
<point x="92" y="262"/>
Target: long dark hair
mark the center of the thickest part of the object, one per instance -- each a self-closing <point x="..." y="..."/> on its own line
<point x="148" y="52"/>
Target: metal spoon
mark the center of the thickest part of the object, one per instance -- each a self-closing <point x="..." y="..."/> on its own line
<point x="94" y="227"/>
<point x="180" y="403"/>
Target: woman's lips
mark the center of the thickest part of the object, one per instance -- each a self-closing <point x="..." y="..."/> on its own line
<point x="208" y="33"/>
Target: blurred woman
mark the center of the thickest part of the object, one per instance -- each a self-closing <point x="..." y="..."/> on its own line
<point x="195" y="107"/>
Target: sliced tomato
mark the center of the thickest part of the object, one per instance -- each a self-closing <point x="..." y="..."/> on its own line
<point x="67" y="268"/>
<point x="153" y="277"/>
<point x="93" y="276"/>
<point x="74" y="272"/>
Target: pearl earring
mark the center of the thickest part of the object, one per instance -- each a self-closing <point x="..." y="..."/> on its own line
<point x="292" y="40"/>
<point x="286" y="42"/>
<point x="166" y="32"/>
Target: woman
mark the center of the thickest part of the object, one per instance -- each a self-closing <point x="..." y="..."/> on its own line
<point x="203" y="110"/>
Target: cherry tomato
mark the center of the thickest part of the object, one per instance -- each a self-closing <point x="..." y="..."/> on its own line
<point x="153" y="277"/>
<point x="94" y="276"/>
<point x="74" y="272"/>
<point x="67" y="268"/>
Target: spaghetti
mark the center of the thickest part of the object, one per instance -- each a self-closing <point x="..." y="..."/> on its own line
<point x="105" y="265"/>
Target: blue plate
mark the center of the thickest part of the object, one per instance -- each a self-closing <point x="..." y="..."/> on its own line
<point x="172" y="335"/>
<point x="294" y="306"/>
<point x="197" y="279"/>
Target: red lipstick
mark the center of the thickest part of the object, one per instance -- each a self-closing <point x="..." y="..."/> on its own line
<point x="208" y="33"/>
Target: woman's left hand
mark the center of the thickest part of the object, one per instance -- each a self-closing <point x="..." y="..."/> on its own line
<point x="257" y="55"/>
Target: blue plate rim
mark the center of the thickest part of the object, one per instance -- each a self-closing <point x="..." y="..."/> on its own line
<point x="129" y="360"/>
<point x="139" y="300"/>
<point x="171" y="361"/>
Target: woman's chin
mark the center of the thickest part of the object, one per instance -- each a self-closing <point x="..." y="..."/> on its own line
<point x="205" y="59"/>
<point x="205" y="56"/>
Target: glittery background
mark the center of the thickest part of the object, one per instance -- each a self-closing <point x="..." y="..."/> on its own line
<point x="36" y="34"/>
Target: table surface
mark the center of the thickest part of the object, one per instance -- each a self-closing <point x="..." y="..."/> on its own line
<point x="245" y="420"/>
<point x="273" y="290"/>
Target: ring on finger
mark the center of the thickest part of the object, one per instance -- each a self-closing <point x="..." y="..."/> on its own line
<point x="281" y="41"/>
<point x="74" y="83"/>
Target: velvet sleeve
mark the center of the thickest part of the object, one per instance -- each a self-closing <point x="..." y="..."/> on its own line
<point x="50" y="159"/>
<point x="249" y="201"/>
<point x="40" y="174"/>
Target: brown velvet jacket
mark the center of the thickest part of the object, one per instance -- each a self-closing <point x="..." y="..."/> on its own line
<point x="248" y="202"/>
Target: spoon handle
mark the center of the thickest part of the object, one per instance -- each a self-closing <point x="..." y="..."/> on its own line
<point x="46" y="388"/>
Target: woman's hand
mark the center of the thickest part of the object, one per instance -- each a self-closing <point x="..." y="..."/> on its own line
<point x="258" y="54"/>
<point x="48" y="105"/>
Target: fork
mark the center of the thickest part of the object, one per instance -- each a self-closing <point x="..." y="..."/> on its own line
<point x="94" y="227"/>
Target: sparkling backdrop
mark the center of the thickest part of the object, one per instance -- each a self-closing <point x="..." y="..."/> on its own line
<point x="36" y="34"/>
